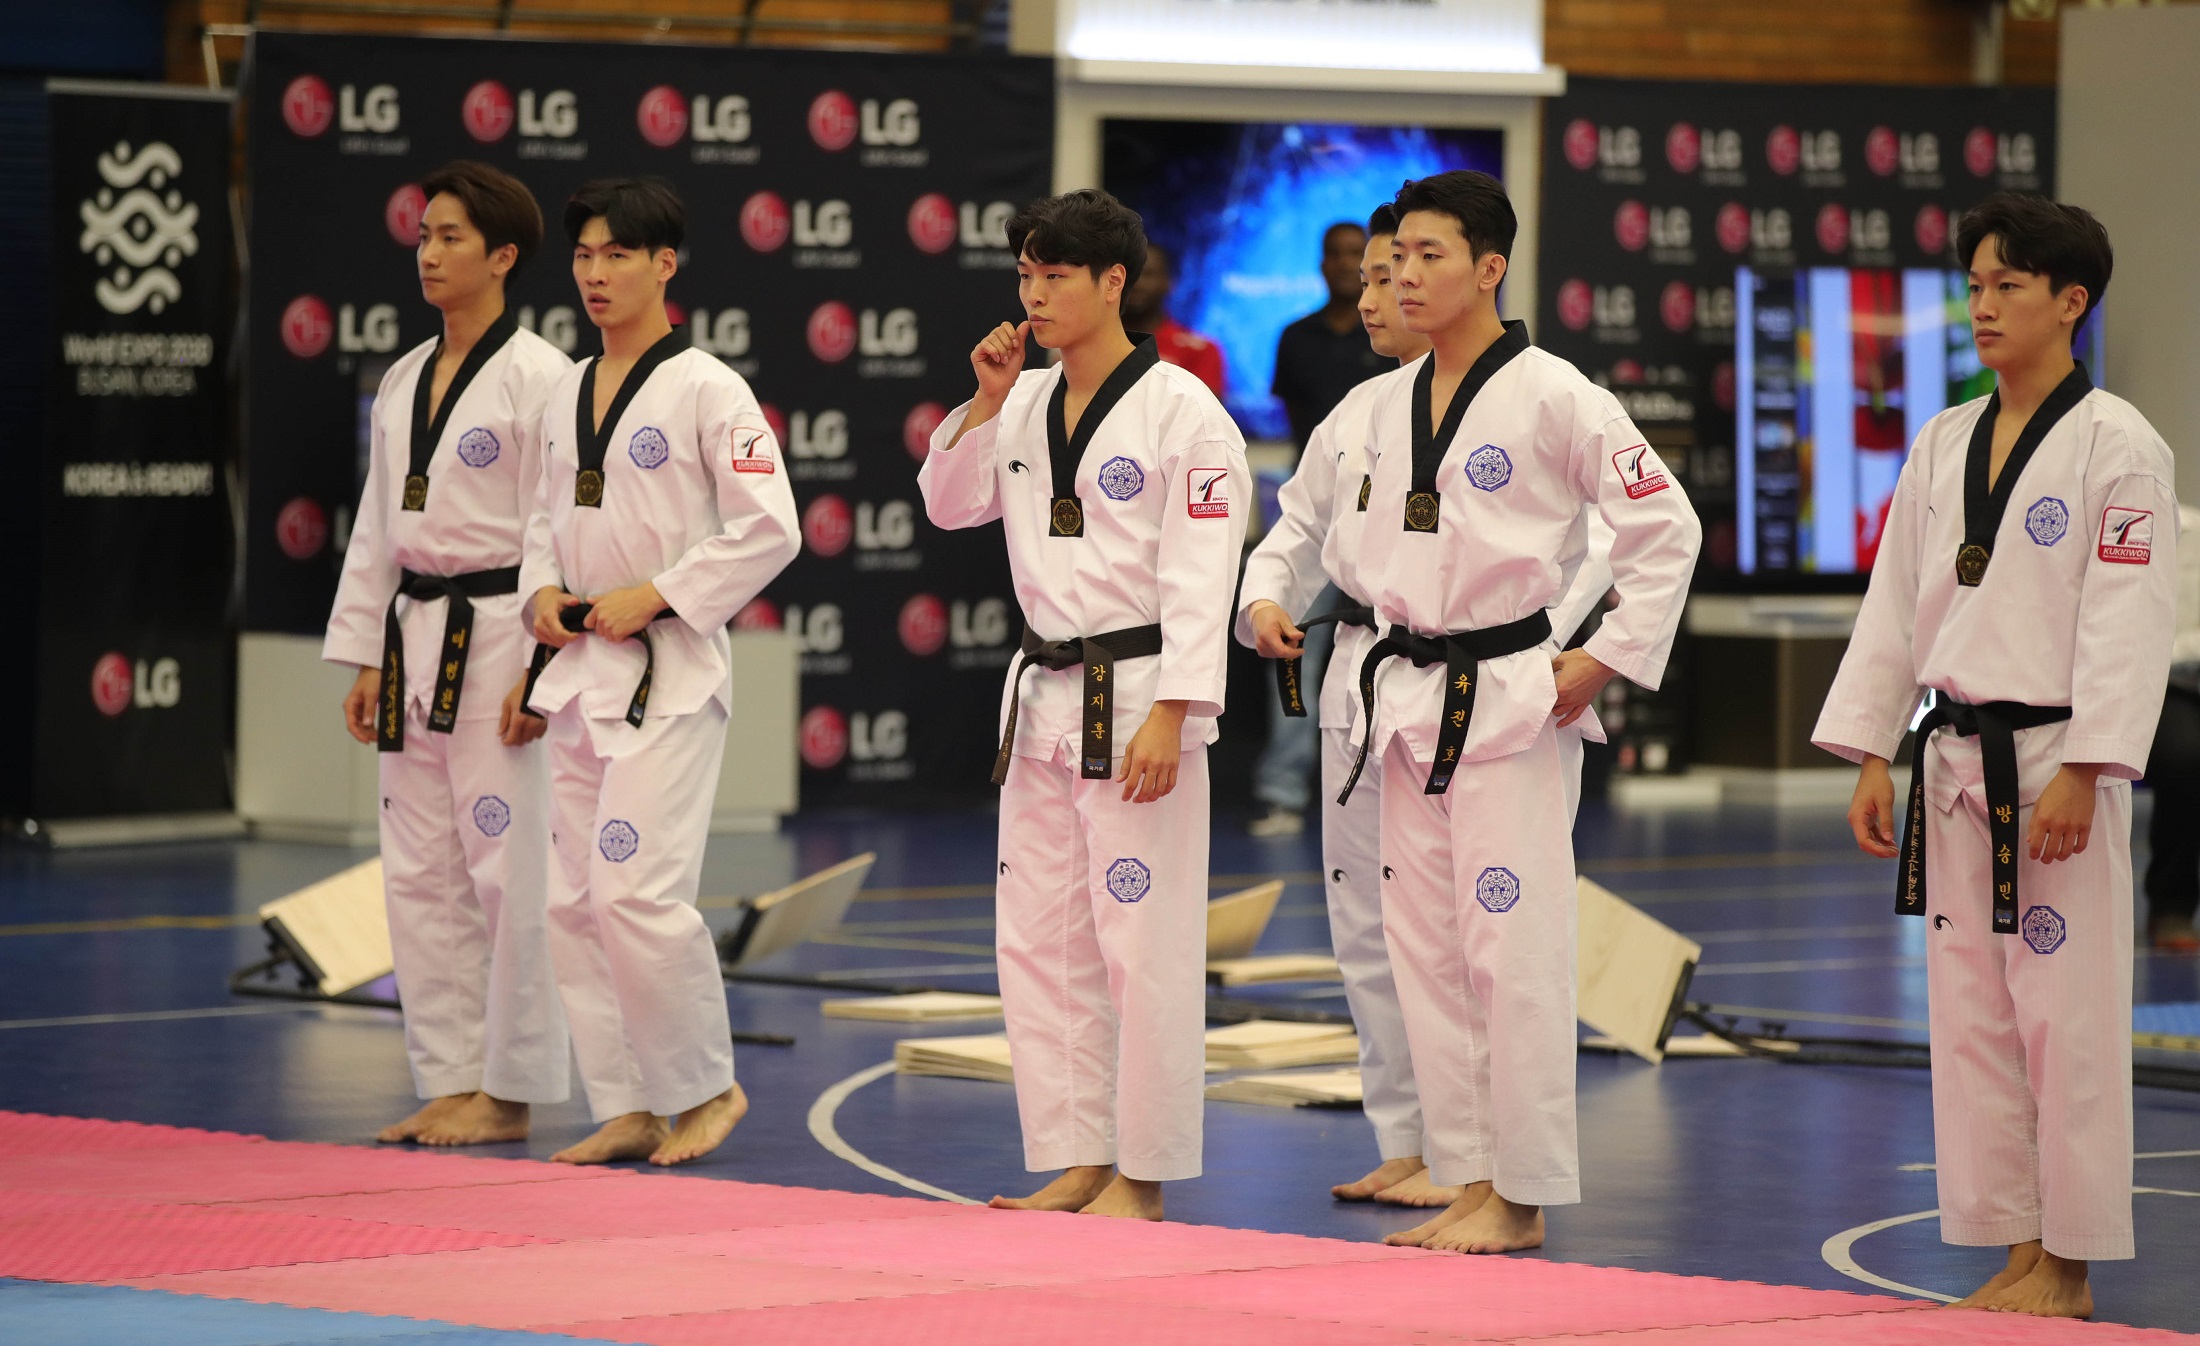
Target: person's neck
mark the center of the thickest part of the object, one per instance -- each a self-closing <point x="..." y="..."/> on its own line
<point x="1418" y="350"/>
<point x="464" y="324"/>
<point x="1341" y="315"/>
<point x="1088" y="362"/>
<point x="1458" y="346"/>
<point x="629" y="341"/>
<point x="2023" y="388"/>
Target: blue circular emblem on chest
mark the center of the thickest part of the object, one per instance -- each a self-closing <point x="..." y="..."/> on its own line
<point x="1497" y="890"/>
<point x="619" y="841"/>
<point x="1488" y="468"/>
<point x="1120" y="479"/>
<point x="492" y="815"/>
<point x="477" y="448"/>
<point x="2044" y="929"/>
<point x="2047" y="520"/>
<point x="1128" y="880"/>
<point x="648" y="448"/>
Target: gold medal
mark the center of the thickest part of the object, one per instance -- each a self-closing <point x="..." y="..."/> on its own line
<point x="1367" y="487"/>
<point x="416" y="493"/>
<point x="1971" y="564"/>
<point x="1421" y="512"/>
<point x="588" y="487"/>
<point x="1069" y="518"/>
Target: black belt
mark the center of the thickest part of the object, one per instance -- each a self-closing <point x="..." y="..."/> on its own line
<point x="1458" y="652"/>
<point x="458" y="636"/>
<point x="1287" y="670"/>
<point x="1098" y="654"/>
<point x="571" y="618"/>
<point x="1994" y="724"/>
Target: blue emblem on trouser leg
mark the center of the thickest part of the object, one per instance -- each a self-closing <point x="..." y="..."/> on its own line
<point x="1497" y="889"/>
<point x="2044" y="929"/>
<point x="619" y="841"/>
<point x="492" y="815"/>
<point x="1128" y="880"/>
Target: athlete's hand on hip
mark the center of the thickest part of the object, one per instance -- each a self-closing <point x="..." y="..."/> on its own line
<point x="2062" y="820"/>
<point x="1580" y="675"/>
<point x="622" y="612"/>
<point x="361" y="704"/>
<point x="543" y="610"/>
<point x="1149" y="762"/>
<point x="516" y="725"/>
<point x="1275" y="636"/>
<point x="1871" y="809"/>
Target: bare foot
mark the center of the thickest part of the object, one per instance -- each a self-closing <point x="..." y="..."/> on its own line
<point x="1500" y="1226"/>
<point x="1470" y="1200"/>
<point x="1419" y="1191"/>
<point x="2056" y="1289"/>
<point x="702" y="1129"/>
<point x="1076" y="1189"/>
<point x="1383" y="1177"/>
<point x="480" y="1120"/>
<point x="1128" y="1199"/>
<point x="636" y="1135"/>
<point x="435" y="1112"/>
<point x="2022" y="1258"/>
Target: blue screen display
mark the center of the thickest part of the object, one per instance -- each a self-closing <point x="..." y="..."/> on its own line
<point x="1241" y="207"/>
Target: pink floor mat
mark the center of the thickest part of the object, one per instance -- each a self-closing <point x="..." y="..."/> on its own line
<point x="672" y="1260"/>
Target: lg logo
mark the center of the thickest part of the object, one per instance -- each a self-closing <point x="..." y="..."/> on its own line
<point x="917" y="428"/>
<point x="828" y="739"/>
<point x="765" y="221"/>
<point x="487" y="111"/>
<point x="1709" y="310"/>
<point x="309" y="110"/>
<point x="895" y="334"/>
<point x="1665" y="227"/>
<point x="376" y="332"/>
<point x="1787" y="149"/>
<point x="1740" y="229"/>
<point x="118" y="685"/>
<point x="664" y="118"/>
<point x="560" y="326"/>
<point x="1716" y="151"/>
<point x="836" y="122"/>
<point x="888" y="527"/>
<point x="937" y="224"/>
<point x="832" y="332"/>
<point x="922" y="625"/>
<point x="307" y="329"/>
<point x="1914" y="155"/>
<point x="824" y="435"/>
<point x="2015" y="155"/>
<point x="979" y="625"/>
<point x="1840" y="229"/>
<point x="820" y="629"/>
<point x="897" y="124"/>
<point x="829" y="224"/>
<point x="724" y="334"/>
<point x="1589" y="145"/>
<point x="827" y="526"/>
<point x="301" y="529"/>
<point x="1606" y="306"/>
<point x="401" y="214"/>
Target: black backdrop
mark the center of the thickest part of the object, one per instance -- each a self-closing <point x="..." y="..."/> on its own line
<point x="844" y="253"/>
<point x="1654" y="192"/>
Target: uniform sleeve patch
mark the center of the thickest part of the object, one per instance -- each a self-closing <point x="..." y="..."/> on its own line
<point x="1208" y="489"/>
<point x="1640" y="471"/>
<point x="752" y="450"/>
<point x="2127" y="536"/>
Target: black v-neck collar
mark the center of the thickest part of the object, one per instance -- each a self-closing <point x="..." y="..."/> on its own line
<point x="1065" y="451"/>
<point x="594" y="444"/>
<point x="1983" y="509"/>
<point x="1430" y="444"/>
<point x="427" y="430"/>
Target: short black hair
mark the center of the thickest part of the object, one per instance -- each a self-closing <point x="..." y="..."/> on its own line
<point x="1476" y="200"/>
<point x="1383" y="221"/>
<point x="642" y="213"/>
<point x="499" y="205"/>
<point x="1339" y="227"/>
<point x="1086" y="228"/>
<point x="2047" y="238"/>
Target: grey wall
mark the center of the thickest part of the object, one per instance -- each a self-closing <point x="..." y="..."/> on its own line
<point x="2129" y="151"/>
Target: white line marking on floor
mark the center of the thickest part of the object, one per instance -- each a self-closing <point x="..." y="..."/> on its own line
<point x="163" y="1016"/>
<point x="821" y="1126"/>
<point x="1837" y="1253"/>
<point x="1809" y="965"/>
<point x="928" y="970"/>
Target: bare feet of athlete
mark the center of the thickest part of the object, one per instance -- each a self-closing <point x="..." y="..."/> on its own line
<point x="1127" y="1199"/>
<point x="435" y="1111"/>
<point x="2056" y="1287"/>
<point x="702" y="1129"/>
<point x="1381" y="1179"/>
<point x="1419" y="1191"/>
<point x="1076" y="1189"/>
<point x="480" y="1120"/>
<point x="1471" y="1198"/>
<point x="2022" y="1258"/>
<point x="1500" y="1226"/>
<point x="634" y="1135"/>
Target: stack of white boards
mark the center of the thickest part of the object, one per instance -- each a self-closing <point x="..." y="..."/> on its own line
<point x="1260" y="1045"/>
<point x="1273" y="967"/>
<point x="924" y="1007"/>
<point x="1292" y="1089"/>
<point x="977" y="1058"/>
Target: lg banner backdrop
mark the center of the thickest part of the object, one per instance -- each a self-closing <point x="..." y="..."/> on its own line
<point x="1773" y="266"/>
<point x="845" y="250"/>
<point x="134" y="649"/>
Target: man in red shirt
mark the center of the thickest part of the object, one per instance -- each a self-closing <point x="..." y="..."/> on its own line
<point x="1146" y="309"/>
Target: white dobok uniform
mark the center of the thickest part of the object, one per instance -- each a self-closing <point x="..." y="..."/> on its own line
<point x="1103" y="904"/>
<point x="1316" y="540"/>
<point x="1478" y="892"/>
<point x="464" y="819"/>
<point x="2031" y="1029"/>
<point x="694" y="498"/>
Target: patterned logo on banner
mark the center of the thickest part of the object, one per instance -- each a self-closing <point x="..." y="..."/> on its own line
<point x="139" y="224"/>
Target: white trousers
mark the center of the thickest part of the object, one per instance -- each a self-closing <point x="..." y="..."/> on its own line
<point x="465" y="839"/>
<point x="2032" y="1038"/>
<point x="636" y="964"/>
<point x="1480" y="916"/>
<point x="1350" y="841"/>
<point x="1102" y="935"/>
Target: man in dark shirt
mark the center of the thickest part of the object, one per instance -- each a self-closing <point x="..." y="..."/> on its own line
<point x="1325" y="354"/>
